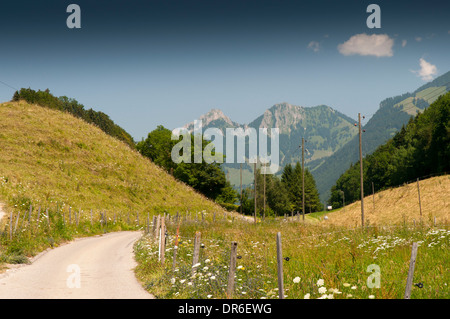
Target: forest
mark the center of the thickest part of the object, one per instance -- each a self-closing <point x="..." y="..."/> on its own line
<point x="420" y="149"/>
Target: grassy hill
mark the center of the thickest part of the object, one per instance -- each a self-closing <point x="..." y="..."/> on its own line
<point x="53" y="160"/>
<point x="395" y="206"/>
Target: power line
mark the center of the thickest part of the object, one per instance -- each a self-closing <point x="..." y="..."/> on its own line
<point x="10" y="86"/>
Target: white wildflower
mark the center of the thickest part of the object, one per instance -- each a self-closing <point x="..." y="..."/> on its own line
<point x="322" y="290"/>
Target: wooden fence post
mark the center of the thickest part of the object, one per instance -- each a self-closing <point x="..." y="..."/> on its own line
<point x="153" y="224"/>
<point x="162" y="240"/>
<point x="196" y="250"/>
<point x="17" y="222"/>
<point x="158" y="221"/>
<point x="175" y="249"/>
<point x="412" y="263"/>
<point x="11" y="226"/>
<point x="280" y="267"/>
<point x="48" y="220"/>
<point x="232" y="270"/>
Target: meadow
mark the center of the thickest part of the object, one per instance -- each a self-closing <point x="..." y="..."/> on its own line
<point x="320" y="260"/>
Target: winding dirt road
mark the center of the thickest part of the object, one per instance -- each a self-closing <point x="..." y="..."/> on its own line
<point x="98" y="267"/>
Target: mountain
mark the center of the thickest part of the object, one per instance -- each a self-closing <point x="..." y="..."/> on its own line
<point x="325" y="130"/>
<point x="392" y="114"/>
<point x="214" y="118"/>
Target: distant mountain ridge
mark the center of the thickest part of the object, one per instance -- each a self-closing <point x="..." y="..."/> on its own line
<point x="332" y="140"/>
<point x="325" y="129"/>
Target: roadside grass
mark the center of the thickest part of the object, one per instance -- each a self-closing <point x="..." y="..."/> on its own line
<point x="320" y="261"/>
<point x="35" y="233"/>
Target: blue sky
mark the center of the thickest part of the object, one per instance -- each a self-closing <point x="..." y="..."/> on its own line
<point x="166" y="62"/>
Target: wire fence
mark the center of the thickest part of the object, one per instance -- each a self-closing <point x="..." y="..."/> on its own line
<point x="207" y="274"/>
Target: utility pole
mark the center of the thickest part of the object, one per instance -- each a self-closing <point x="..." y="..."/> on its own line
<point x="373" y="196"/>
<point x="361" y="171"/>
<point x="254" y="186"/>
<point x="303" y="178"/>
<point x="264" y="211"/>
<point x="241" y="185"/>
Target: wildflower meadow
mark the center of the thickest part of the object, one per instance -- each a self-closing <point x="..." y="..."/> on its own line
<point x="319" y="261"/>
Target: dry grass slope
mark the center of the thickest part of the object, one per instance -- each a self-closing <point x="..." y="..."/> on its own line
<point x="398" y="205"/>
<point x="47" y="156"/>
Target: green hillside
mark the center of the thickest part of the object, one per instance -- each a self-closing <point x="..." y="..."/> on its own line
<point x="63" y="103"/>
<point x="391" y="116"/>
<point x="419" y="149"/>
<point x="51" y="159"/>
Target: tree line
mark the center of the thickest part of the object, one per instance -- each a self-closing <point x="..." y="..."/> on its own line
<point x="279" y="195"/>
<point x="72" y="106"/>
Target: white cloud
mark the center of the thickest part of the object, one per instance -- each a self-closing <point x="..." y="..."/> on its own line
<point x="379" y="45"/>
<point x="314" y="45"/>
<point x="404" y="43"/>
<point x="427" y="70"/>
<point x="418" y="39"/>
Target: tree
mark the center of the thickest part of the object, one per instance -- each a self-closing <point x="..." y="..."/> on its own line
<point x="158" y="146"/>
<point x="207" y="178"/>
